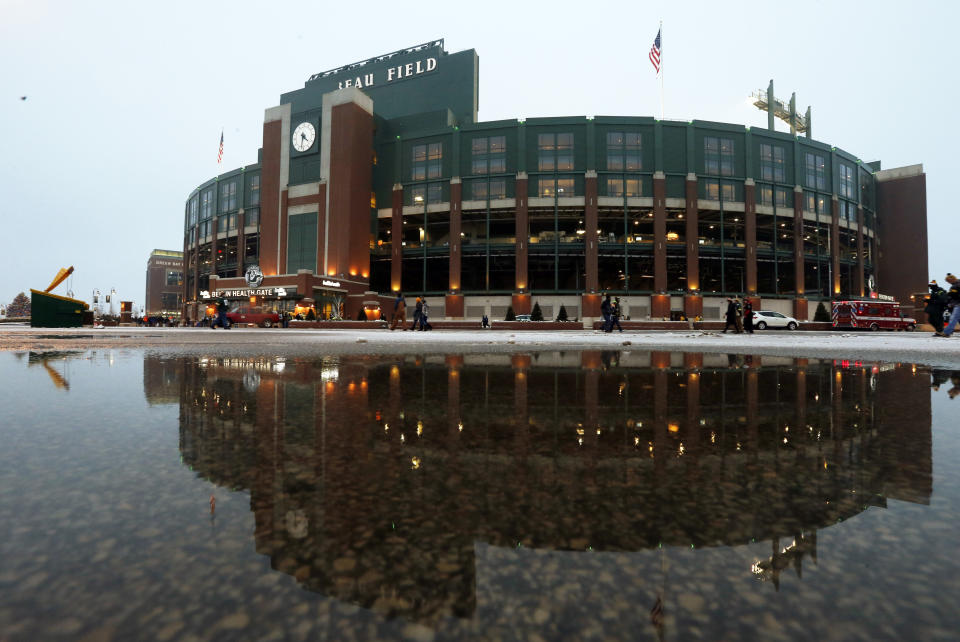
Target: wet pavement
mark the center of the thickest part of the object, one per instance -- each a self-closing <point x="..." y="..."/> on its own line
<point x="533" y="495"/>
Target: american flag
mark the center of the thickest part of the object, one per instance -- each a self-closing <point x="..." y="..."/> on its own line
<point x="655" y="53"/>
<point x="220" y="153"/>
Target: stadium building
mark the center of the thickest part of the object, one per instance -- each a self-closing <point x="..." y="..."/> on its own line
<point x="377" y="177"/>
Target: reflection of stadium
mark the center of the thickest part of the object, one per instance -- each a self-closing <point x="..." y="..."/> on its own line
<point x="373" y="480"/>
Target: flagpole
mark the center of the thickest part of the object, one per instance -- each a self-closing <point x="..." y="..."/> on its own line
<point x="661" y="69"/>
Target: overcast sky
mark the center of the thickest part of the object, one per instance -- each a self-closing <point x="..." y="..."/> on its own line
<point x="125" y="100"/>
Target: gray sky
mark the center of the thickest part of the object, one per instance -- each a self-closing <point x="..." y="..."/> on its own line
<point x="126" y="100"/>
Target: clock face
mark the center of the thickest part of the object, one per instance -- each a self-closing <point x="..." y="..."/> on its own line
<point x="303" y="137"/>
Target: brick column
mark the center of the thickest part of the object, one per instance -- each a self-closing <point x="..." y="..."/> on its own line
<point x="659" y="232"/>
<point x="659" y="302"/>
<point x="214" y="227"/>
<point x="590" y="237"/>
<point x="835" y="243"/>
<point x="859" y="282"/>
<point x="693" y="301"/>
<point x="799" y="301"/>
<point x="522" y="234"/>
<point x="453" y="304"/>
<point x="396" y="238"/>
<point x="750" y="232"/>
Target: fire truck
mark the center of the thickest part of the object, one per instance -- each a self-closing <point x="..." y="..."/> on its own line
<point x="871" y="314"/>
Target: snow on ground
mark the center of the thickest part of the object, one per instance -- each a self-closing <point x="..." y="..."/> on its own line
<point x="915" y="347"/>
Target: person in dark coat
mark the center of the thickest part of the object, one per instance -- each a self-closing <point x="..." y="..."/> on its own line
<point x="615" y="313"/>
<point x="418" y="315"/>
<point x="606" y="309"/>
<point x="399" y="312"/>
<point x="748" y="316"/>
<point x="953" y="302"/>
<point x="731" y="316"/>
<point x="221" y="319"/>
<point x="936" y="302"/>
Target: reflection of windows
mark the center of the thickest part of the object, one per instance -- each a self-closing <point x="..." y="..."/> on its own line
<point x="718" y="156"/>
<point x="555" y="152"/>
<point x="712" y="191"/>
<point x="489" y="155"/>
<point x="550" y="186"/>
<point x="482" y="189"/>
<point x="619" y="186"/>
<point x="816" y="171"/>
<point x="174" y="277"/>
<point x="228" y="196"/>
<point x="427" y="161"/>
<point x="432" y="193"/>
<point x="624" y="151"/>
<point x="846" y="181"/>
<point x="206" y="203"/>
<point x="771" y="163"/>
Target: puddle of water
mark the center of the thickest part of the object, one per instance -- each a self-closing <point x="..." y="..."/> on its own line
<point x="593" y="495"/>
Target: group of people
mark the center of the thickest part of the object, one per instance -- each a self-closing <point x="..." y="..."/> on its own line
<point x="611" y="312"/>
<point x="739" y="315"/>
<point x="940" y="303"/>
<point x="421" y="314"/>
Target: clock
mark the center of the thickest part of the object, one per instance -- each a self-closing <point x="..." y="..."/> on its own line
<point x="303" y="137"/>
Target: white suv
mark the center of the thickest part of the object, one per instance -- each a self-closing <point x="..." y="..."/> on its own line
<point x="763" y="319"/>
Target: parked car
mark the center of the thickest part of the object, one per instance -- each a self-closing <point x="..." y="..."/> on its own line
<point x="763" y="319"/>
<point x="246" y="313"/>
<point x="523" y="317"/>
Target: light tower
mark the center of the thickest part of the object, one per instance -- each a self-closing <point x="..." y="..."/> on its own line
<point x="786" y="112"/>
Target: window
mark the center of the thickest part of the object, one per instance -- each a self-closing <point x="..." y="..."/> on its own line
<point x="718" y="156"/>
<point x="206" y="204"/>
<point x="766" y="196"/>
<point x="427" y="161"/>
<point x="550" y="187"/>
<point x="228" y="196"/>
<point x="254" y="187"/>
<point x="771" y="163"/>
<point x="619" y="186"/>
<point x="624" y="151"/>
<point x="712" y="191"/>
<point x="482" y="189"/>
<point x="192" y="209"/>
<point x="846" y="182"/>
<point x="204" y="229"/>
<point x="489" y="155"/>
<point x="816" y="171"/>
<point x="174" y="277"/>
<point x="432" y="193"/>
<point x="556" y="152"/>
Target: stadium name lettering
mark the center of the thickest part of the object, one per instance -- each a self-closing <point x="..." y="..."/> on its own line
<point x="393" y="73"/>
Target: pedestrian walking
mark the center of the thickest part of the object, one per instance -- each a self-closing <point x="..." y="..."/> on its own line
<point x="418" y="315"/>
<point x="484" y="322"/>
<point x="936" y="303"/>
<point x="953" y="302"/>
<point x="748" y="316"/>
<point x="221" y="318"/>
<point x="739" y="318"/>
<point x="615" y="313"/>
<point x="606" y="310"/>
<point x="731" y="316"/>
<point x="399" y="312"/>
<point x="424" y="316"/>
